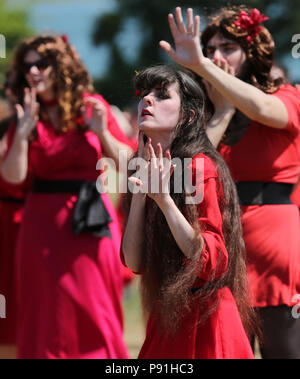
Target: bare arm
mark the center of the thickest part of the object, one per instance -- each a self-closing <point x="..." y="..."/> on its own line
<point x="182" y="231"/>
<point x="254" y="103"/>
<point x="15" y="166"/>
<point x="217" y="126"/>
<point x="224" y="111"/>
<point x="3" y="147"/>
<point x="132" y="242"/>
<point x="98" y="124"/>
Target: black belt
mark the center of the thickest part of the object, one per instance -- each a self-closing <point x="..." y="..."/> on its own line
<point x="12" y="200"/>
<point x="262" y="193"/>
<point x="89" y="214"/>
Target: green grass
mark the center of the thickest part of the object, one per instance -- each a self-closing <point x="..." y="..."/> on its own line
<point x="134" y="330"/>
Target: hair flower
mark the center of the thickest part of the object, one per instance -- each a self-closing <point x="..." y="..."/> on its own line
<point x="65" y="38"/>
<point x="251" y="23"/>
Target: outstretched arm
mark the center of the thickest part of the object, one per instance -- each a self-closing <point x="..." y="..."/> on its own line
<point x="254" y="103"/>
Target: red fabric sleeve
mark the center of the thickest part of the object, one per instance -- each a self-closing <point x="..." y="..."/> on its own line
<point x="214" y="256"/>
<point x="290" y="97"/>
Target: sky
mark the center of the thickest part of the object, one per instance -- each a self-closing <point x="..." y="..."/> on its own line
<point x="76" y="18"/>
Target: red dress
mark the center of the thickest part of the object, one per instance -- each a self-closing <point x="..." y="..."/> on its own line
<point x="11" y="207"/>
<point x="70" y="286"/>
<point x="271" y="232"/>
<point x="222" y="335"/>
<point x="295" y="196"/>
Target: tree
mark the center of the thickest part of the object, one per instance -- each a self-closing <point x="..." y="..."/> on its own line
<point x="14" y="28"/>
<point x="150" y="18"/>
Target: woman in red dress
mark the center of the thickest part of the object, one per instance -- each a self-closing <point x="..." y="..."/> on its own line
<point x="189" y="251"/>
<point x="11" y="207"/>
<point x="261" y="147"/>
<point x="69" y="270"/>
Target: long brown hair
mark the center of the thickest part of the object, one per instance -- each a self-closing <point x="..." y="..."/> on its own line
<point x="69" y="73"/>
<point x="166" y="281"/>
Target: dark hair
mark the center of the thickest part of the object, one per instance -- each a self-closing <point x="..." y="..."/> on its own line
<point x="70" y="75"/>
<point x="166" y="281"/>
<point x="260" y="52"/>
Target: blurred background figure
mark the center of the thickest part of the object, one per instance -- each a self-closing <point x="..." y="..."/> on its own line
<point x="106" y="30"/>
<point x="69" y="276"/>
<point x="11" y="207"/>
<point x="279" y="72"/>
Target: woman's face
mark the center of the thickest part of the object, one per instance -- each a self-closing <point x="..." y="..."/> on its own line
<point x="159" y="111"/>
<point x="224" y="49"/>
<point x="37" y="71"/>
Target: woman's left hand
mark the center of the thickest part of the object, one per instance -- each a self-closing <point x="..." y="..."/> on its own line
<point x="98" y="120"/>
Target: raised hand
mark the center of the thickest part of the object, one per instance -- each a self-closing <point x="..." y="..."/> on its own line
<point x="187" y="52"/>
<point x="98" y="121"/>
<point x="159" y="171"/>
<point x="27" y="116"/>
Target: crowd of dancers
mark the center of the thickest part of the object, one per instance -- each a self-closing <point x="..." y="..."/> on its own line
<point x="215" y="275"/>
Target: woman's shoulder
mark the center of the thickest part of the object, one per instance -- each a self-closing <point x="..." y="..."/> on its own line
<point x="289" y="90"/>
<point x="290" y="96"/>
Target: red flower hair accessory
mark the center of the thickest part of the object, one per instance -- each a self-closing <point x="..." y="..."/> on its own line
<point x="138" y="93"/>
<point x="65" y="38"/>
<point x="251" y="23"/>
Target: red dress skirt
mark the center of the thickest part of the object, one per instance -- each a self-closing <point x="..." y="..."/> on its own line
<point x="69" y="286"/>
<point x="11" y="208"/>
<point x="222" y="336"/>
<point x="10" y="219"/>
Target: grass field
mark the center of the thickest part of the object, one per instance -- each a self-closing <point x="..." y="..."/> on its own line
<point x="134" y="330"/>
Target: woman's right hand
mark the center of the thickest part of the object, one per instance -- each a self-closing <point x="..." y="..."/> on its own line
<point x="188" y="52"/>
<point x="27" y="115"/>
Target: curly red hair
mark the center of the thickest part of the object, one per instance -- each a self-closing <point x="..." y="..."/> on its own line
<point x="71" y="78"/>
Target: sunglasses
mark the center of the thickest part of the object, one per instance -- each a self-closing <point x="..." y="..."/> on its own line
<point x="41" y="64"/>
